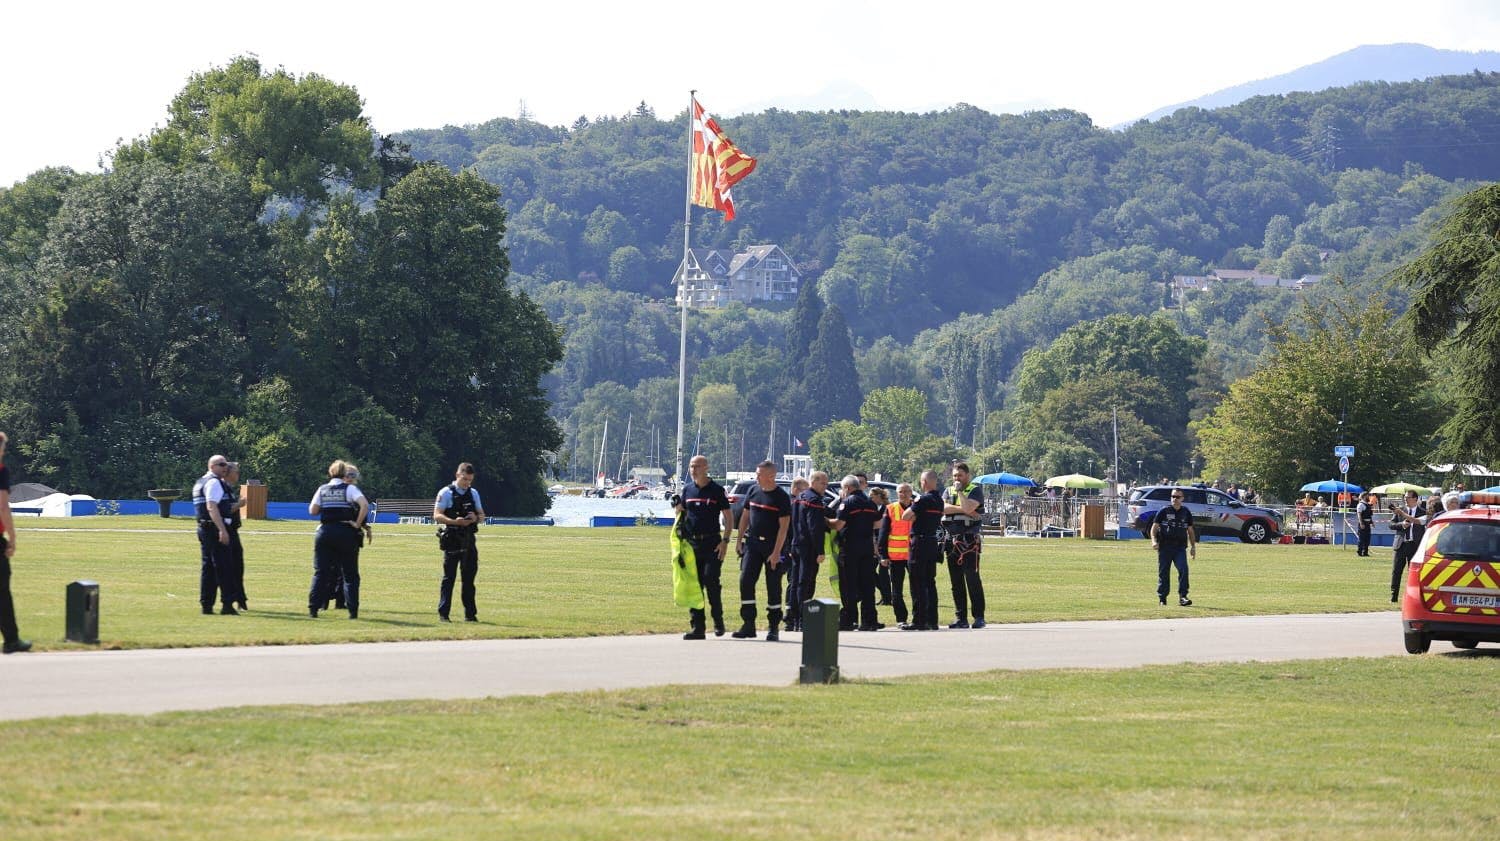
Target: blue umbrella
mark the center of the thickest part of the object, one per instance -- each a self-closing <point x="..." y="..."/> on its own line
<point x="1332" y="486"/>
<point x="1005" y="479"/>
<point x="1494" y="490"/>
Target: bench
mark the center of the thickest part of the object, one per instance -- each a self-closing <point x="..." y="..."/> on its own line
<point x="418" y="511"/>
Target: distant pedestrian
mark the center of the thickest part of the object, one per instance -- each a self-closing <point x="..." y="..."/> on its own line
<point x="211" y="507"/>
<point x="459" y="511"/>
<point x="1365" y="522"/>
<point x="341" y="508"/>
<point x="8" y="630"/>
<point x="1175" y="540"/>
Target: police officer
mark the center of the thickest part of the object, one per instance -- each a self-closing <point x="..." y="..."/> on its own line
<point x="341" y="509"/>
<point x="1174" y="539"/>
<point x="809" y="527"/>
<point x="706" y="514"/>
<point x="1365" y="512"/>
<point x="925" y="515"/>
<point x="13" y="644"/>
<point x="962" y="540"/>
<point x="855" y="516"/>
<point x="763" y="528"/>
<point x="459" y="510"/>
<point x="212" y="508"/>
<point x="236" y="517"/>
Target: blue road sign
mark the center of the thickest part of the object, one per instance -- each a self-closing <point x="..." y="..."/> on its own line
<point x="1344" y="464"/>
<point x="1344" y="451"/>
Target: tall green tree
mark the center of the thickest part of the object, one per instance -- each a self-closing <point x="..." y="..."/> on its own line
<point x="830" y="382"/>
<point x="1277" y="428"/>
<point x="1456" y="301"/>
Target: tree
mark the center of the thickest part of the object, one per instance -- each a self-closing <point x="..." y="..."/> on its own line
<point x="896" y="419"/>
<point x="287" y="136"/>
<point x="1277" y="428"/>
<point x="830" y="381"/>
<point x="839" y="448"/>
<point x="1456" y="301"/>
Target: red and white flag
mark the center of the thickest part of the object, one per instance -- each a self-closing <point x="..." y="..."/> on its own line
<point x="717" y="164"/>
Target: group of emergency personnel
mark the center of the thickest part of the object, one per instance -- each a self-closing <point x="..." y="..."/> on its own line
<point x="868" y="545"/>
<point x="344" y="516"/>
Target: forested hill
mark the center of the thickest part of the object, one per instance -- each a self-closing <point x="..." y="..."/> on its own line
<point x="971" y="207"/>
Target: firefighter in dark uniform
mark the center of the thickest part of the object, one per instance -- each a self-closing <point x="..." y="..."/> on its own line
<point x="809" y="526"/>
<point x="705" y="508"/>
<point x="212" y="508"/>
<point x="856" y="517"/>
<point x="762" y="532"/>
<point x="459" y="510"/>
<point x="789" y="559"/>
<point x="962" y="541"/>
<point x="341" y="509"/>
<point x="925" y="515"/>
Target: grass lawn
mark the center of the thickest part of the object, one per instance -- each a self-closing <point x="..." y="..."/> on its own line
<point x="540" y="581"/>
<point x="1329" y="749"/>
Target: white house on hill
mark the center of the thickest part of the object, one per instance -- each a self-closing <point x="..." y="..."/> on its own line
<point x="715" y="278"/>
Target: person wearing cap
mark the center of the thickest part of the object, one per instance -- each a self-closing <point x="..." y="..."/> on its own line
<point x="8" y="630"/>
<point x="459" y="511"/>
<point x="211" y="507"/>
<point x="341" y="509"/>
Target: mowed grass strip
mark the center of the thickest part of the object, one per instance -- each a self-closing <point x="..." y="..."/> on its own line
<point x="1368" y="749"/>
<point x="539" y="581"/>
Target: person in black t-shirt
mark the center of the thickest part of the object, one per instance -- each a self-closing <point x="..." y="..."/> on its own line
<point x="8" y="630"/>
<point x="763" y="529"/>
<point x="925" y="516"/>
<point x="705" y="509"/>
<point x="856" y="517"/>
<point x="1174" y="539"/>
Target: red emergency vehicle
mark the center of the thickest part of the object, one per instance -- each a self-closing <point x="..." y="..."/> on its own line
<point x="1453" y="584"/>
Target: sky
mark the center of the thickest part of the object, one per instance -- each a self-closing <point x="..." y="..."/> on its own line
<point x="81" y="76"/>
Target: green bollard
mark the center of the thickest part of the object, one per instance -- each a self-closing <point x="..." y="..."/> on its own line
<point x="820" y="641"/>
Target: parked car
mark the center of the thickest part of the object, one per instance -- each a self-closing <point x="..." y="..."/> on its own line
<point x="1452" y="588"/>
<point x="1215" y="513"/>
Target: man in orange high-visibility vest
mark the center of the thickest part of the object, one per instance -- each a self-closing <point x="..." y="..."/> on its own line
<point x="895" y="547"/>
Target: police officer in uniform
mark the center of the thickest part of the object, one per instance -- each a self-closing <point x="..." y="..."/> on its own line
<point x="705" y="507"/>
<point x="809" y="526"/>
<point x="233" y="521"/>
<point x="459" y="510"/>
<point x="13" y="644"/>
<point x="963" y="541"/>
<point x="341" y="509"/>
<point x="212" y="508"/>
<point x="1365" y="512"/>
<point x="925" y="515"/>
<point x="1174" y="539"/>
<point x="855" y="516"/>
<point x="763" y="530"/>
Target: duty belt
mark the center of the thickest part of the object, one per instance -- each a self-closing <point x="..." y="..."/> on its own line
<point x="925" y="535"/>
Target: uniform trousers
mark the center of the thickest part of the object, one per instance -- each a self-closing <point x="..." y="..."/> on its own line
<point x="897" y="573"/>
<point x="216" y="575"/>
<point x="803" y="581"/>
<point x="1166" y="558"/>
<point x="8" y="630"/>
<point x="1403" y="555"/>
<point x="1364" y="540"/>
<point x="710" y="569"/>
<point x="758" y="556"/>
<point x="237" y="564"/>
<point x="963" y="571"/>
<point x="459" y="564"/>
<point x="926" y="554"/>
<point x="857" y="582"/>
<point x="335" y="548"/>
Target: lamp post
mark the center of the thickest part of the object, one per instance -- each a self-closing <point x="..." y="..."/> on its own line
<point x="1138" y="463"/>
<point x="1193" y="464"/>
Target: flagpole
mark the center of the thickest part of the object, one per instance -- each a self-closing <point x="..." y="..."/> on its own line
<point x="682" y="292"/>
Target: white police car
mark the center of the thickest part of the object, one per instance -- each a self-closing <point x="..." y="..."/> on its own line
<point x="1215" y="513"/>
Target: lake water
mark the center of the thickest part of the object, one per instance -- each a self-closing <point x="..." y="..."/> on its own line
<point x="576" y="510"/>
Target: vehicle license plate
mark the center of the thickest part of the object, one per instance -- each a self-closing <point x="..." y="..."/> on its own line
<point x="1466" y="600"/>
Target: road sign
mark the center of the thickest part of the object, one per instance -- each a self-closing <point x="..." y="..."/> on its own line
<point x="1344" y="451"/>
<point x="1344" y="465"/>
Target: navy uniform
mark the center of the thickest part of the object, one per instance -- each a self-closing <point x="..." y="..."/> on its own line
<point x="769" y="513"/>
<point x="963" y="541"/>
<point x="8" y="629"/>
<point x="336" y="545"/>
<point x="926" y="554"/>
<point x="1365" y="512"/>
<point x="236" y="583"/>
<point x="703" y="514"/>
<point x="460" y="549"/>
<point x="216" y="575"/>
<point x="1174" y="528"/>
<point x="859" y="516"/>
<point x="809" y="526"/>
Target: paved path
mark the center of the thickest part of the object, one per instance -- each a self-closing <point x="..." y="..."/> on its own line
<point x="157" y="680"/>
